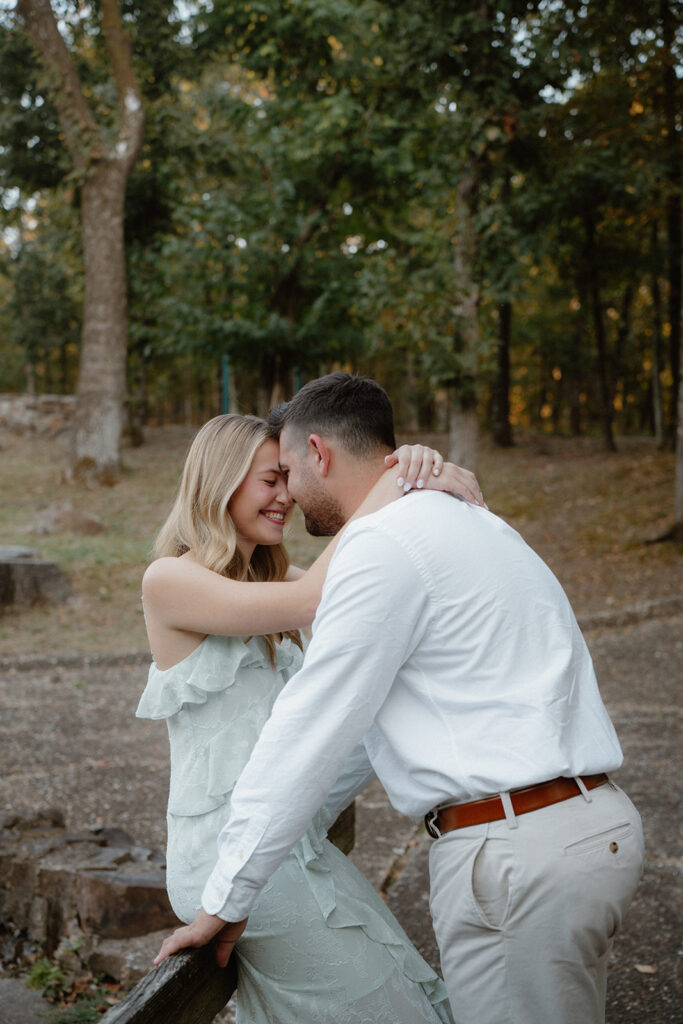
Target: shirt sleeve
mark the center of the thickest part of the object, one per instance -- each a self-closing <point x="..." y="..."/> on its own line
<point x="356" y="774"/>
<point x="371" y="616"/>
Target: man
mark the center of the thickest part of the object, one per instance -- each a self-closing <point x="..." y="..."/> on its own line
<point x="446" y="646"/>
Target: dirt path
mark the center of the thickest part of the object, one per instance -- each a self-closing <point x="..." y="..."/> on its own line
<point x="69" y="739"/>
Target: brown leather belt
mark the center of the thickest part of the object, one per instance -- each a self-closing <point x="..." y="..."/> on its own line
<point x="531" y="798"/>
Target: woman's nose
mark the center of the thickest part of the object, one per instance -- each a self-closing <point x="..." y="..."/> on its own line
<point x="284" y="497"/>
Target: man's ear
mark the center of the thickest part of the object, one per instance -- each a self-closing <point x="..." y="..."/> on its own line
<point x="321" y="452"/>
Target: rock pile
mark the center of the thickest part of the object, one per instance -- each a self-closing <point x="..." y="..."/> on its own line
<point x="26" y="579"/>
<point x="93" y="900"/>
<point x="36" y="414"/>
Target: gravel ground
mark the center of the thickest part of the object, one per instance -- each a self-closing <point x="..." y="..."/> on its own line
<point x="69" y="740"/>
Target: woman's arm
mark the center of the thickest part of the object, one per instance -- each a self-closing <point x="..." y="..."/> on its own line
<point x="184" y="597"/>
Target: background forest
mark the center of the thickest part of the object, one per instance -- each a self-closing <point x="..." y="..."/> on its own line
<point x="477" y="203"/>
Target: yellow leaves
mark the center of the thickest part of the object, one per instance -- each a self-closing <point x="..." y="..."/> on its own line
<point x="377" y="61"/>
<point x="557" y="373"/>
<point x="612" y="314"/>
<point x="334" y="44"/>
<point x="202" y="123"/>
<point x="546" y="411"/>
<point x="618" y="403"/>
<point x="574" y="305"/>
<point x="636" y="108"/>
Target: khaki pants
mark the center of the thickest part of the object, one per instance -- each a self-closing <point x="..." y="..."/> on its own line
<point x="525" y="910"/>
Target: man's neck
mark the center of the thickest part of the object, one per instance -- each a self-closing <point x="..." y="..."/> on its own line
<point x="360" y="477"/>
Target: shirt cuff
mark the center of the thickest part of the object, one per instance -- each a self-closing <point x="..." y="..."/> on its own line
<point x="231" y="903"/>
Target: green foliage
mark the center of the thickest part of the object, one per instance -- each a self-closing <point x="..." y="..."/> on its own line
<point x="32" y="155"/>
<point x="47" y="976"/>
<point x="85" y="1011"/>
<point x="82" y="1003"/>
<point x="296" y="203"/>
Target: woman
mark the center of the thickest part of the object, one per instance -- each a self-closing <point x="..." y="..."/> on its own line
<point x="320" y="945"/>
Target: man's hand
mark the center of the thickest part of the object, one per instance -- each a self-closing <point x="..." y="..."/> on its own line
<point x="202" y="930"/>
<point x="417" y="463"/>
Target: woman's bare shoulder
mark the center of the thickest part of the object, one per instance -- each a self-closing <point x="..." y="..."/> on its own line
<point x="168" y="569"/>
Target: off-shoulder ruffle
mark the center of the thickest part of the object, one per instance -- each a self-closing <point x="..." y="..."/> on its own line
<point x="211" y="667"/>
<point x="354" y="911"/>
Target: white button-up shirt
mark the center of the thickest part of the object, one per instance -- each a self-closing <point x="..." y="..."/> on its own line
<point x="445" y="645"/>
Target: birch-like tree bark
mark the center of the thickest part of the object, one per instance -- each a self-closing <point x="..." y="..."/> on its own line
<point x="102" y="164"/>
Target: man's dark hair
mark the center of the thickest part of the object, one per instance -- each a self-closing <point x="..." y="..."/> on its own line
<point x="356" y="411"/>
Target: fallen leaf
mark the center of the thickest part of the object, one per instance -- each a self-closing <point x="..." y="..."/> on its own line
<point x="645" y="968"/>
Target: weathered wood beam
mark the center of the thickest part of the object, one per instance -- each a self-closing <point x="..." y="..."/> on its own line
<point x="187" y="988"/>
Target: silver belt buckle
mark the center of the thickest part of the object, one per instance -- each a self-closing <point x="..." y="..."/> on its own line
<point x="430" y="824"/>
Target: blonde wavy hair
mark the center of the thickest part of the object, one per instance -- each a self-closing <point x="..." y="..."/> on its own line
<point x="219" y="459"/>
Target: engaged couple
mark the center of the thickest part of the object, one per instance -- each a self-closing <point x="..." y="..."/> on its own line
<point x="445" y="660"/>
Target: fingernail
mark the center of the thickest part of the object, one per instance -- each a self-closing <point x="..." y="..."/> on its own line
<point x="407" y="487"/>
<point x="400" y="482"/>
<point x="420" y="483"/>
<point x="435" y="472"/>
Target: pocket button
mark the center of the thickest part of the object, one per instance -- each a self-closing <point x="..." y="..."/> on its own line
<point x="614" y="847"/>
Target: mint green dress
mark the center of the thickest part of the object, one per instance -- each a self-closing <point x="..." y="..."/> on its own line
<point x="320" y="947"/>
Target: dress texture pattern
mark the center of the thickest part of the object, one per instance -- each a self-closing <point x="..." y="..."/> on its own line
<point x="320" y="947"/>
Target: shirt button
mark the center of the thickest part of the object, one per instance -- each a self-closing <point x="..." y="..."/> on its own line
<point x="614" y="847"/>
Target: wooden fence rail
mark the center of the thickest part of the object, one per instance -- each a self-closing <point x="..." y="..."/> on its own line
<point x="187" y="988"/>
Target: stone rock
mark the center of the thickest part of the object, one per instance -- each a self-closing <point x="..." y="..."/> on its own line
<point x="112" y="836"/>
<point x="45" y="817"/>
<point x="64" y="518"/>
<point x="116" y="905"/>
<point x="36" y="414"/>
<point x="109" y="858"/>
<point x="127" y="960"/>
<point x="74" y="949"/>
<point x="99" y="880"/>
<point x="12" y="552"/>
<point x="25" y="579"/>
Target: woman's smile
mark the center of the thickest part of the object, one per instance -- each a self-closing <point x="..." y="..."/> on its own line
<point x="273" y="515"/>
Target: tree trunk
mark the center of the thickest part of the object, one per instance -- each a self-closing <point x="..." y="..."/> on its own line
<point x="606" y="408"/>
<point x="103" y="168"/>
<point x="678" y="484"/>
<point x="463" y="422"/>
<point x="406" y="412"/>
<point x="573" y="372"/>
<point x="674" y="225"/>
<point x="502" y="429"/>
<point x="657" y="416"/>
<point x="98" y="421"/>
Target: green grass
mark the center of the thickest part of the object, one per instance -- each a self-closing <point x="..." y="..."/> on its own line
<point x="585" y="511"/>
